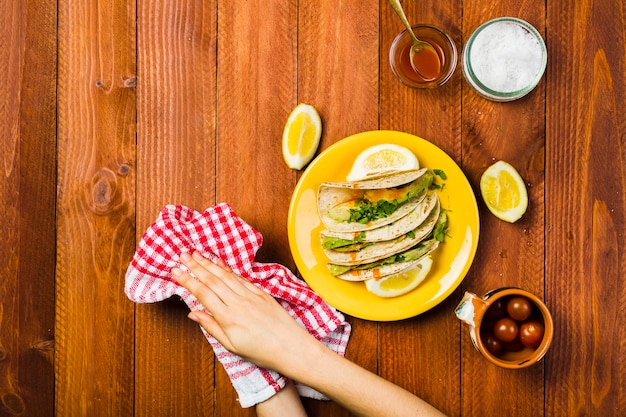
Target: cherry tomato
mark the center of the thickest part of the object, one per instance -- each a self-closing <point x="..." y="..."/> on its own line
<point x="505" y="329"/>
<point x="531" y="333"/>
<point x="492" y="343"/>
<point x="519" y="308"/>
<point x="496" y="310"/>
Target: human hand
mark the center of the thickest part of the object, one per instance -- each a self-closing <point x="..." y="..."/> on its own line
<point x="243" y="318"/>
<point x="250" y="323"/>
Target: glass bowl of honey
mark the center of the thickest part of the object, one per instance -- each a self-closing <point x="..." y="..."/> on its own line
<point x="400" y="61"/>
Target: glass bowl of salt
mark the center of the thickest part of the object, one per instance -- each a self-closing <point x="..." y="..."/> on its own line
<point x="504" y="59"/>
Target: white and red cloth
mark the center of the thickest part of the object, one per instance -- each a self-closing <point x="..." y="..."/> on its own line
<point x="219" y="233"/>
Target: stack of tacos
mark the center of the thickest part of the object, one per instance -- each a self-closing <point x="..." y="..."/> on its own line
<point x="380" y="226"/>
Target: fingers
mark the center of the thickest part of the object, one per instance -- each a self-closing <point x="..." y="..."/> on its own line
<point x="211" y="326"/>
<point x="218" y="289"/>
<point x="223" y="265"/>
<point x="220" y="280"/>
<point x="217" y="275"/>
<point x="203" y="293"/>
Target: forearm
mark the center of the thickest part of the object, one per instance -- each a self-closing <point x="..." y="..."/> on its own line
<point x="356" y="389"/>
<point x="286" y="402"/>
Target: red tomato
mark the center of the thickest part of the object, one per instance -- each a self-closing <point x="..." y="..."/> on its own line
<point x="531" y="333"/>
<point x="519" y="308"/>
<point x="505" y="329"/>
<point x="496" y="310"/>
<point x="492" y="343"/>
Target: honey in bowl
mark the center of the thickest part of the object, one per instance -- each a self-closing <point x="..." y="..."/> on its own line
<point x="399" y="57"/>
<point x="428" y="62"/>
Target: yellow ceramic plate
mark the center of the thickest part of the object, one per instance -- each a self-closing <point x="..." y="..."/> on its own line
<point x="452" y="259"/>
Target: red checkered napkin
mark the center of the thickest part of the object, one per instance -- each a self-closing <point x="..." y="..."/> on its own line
<point x="219" y="233"/>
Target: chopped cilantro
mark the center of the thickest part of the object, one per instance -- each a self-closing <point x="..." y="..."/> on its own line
<point x="440" y="173"/>
<point x="366" y="212"/>
<point x="441" y="228"/>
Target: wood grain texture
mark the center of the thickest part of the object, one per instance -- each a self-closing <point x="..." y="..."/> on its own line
<point x="417" y="351"/>
<point x="338" y="65"/>
<point x="586" y="165"/>
<point x="110" y="110"/>
<point x="27" y="197"/>
<point x="257" y="91"/>
<point x="95" y="208"/>
<point x="256" y="80"/>
<point x="508" y="254"/>
<point x="176" y="102"/>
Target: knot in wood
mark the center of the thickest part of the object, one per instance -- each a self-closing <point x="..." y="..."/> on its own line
<point x="13" y="403"/>
<point x="124" y="169"/>
<point x="103" y="189"/>
<point x="130" y="82"/>
<point x="44" y="346"/>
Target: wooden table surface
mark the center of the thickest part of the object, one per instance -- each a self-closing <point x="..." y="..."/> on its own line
<point x="112" y="109"/>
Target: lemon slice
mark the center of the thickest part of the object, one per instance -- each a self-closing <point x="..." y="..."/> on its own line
<point x="301" y="136"/>
<point x="400" y="283"/>
<point x="504" y="192"/>
<point x="380" y="159"/>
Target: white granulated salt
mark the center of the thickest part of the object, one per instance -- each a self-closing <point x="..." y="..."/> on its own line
<point x="506" y="57"/>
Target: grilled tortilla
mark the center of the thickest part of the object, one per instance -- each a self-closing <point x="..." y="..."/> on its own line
<point x="402" y="226"/>
<point x="384" y="267"/>
<point x="365" y="205"/>
<point x="363" y="252"/>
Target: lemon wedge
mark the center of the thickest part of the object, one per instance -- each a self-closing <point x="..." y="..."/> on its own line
<point x="381" y="159"/>
<point x="301" y="136"/>
<point x="400" y="283"/>
<point x="504" y="192"/>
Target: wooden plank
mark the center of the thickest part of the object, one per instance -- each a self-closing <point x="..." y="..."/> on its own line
<point x="96" y="153"/>
<point x="508" y="254"/>
<point x="175" y="165"/>
<point x="338" y="65"/>
<point x="27" y="196"/>
<point x="585" y="207"/>
<point x="338" y="73"/>
<point x="257" y="89"/>
<point x="420" y="350"/>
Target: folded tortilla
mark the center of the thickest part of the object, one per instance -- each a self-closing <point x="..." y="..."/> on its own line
<point x="343" y="197"/>
<point x="363" y="252"/>
<point x="402" y="226"/>
<point x="389" y="266"/>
